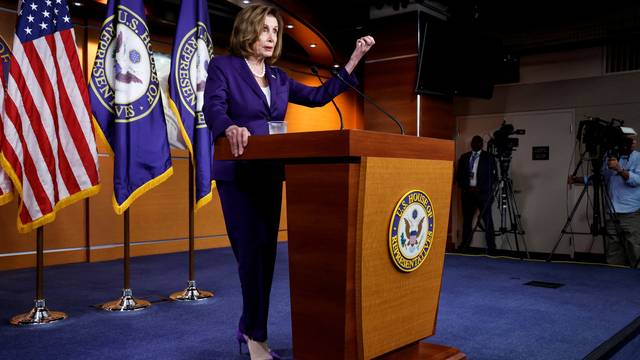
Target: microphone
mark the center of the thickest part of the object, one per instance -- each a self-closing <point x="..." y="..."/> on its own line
<point x="336" y="73"/>
<point x="314" y="70"/>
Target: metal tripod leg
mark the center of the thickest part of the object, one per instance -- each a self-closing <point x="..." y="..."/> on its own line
<point x="504" y="209"/>
<point x="569" y="220"/>
<point x="514" y="226"/>
<point x="515" y="218"/>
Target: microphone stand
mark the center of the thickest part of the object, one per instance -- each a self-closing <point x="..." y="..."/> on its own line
<point x="314" y="70"/>
<point x="336" y="73"/>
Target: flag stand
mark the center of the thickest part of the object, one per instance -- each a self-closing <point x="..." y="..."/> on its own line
<point x="191" y="293"/>
<point x="127" y="302"/>
<point x="39" y="315"/>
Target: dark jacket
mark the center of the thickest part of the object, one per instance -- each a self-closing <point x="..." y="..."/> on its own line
<point x="487" y="171"/>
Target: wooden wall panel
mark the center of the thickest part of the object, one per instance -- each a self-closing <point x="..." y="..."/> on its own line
<point x="163" y="212"/>
<point x="395" y="36"/>
<point x="10" y="240"/>
<point x="436" y="118"/>
<point x="209" y="220"/>
<point x="391" y="84"/>
<point x="68" y="231"/>
<point x="105" y="227"/>
<point x="390" y="75"/>
<point x="8" y="21"/>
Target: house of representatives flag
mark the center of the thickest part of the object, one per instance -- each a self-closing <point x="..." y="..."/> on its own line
<point x="126" y="103"/>
<point x="6" y="190"/>
<point x="192" y="50"/>
<point x="49" y="149"/>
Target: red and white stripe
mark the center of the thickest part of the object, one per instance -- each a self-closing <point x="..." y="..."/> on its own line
<point x="49" y="138"/>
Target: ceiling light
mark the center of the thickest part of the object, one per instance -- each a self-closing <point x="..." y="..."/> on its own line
<point x="289" y="26"/>
<point x="313" y="45"/>
<point x="336" y="66"/>
<point x="246" y="1"/>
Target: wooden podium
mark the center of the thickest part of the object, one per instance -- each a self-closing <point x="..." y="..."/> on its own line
<point x="348" y="300"/>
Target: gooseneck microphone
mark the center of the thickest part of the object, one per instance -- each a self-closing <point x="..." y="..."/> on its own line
<point x="336" y="73"/>
<point x="314" y="70"/>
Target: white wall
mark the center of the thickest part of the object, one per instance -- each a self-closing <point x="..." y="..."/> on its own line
<point x="549" y="106"/>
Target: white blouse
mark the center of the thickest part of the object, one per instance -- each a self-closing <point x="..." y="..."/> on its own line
<point x="267" y="92"/>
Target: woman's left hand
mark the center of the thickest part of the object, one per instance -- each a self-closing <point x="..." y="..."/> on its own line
<point x="363" y="45"/>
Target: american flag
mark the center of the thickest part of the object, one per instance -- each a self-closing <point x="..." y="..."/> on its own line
<point x="49" y="143"/>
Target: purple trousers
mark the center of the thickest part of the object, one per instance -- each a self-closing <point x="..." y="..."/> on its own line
<point x="251" y="206"/>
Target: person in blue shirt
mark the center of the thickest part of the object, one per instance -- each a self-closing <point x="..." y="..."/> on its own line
<point x="622" y="179"/>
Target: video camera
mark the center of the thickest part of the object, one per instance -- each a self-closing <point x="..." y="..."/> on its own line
<point x="602" y="137"/>
<point x="502" y="143"/>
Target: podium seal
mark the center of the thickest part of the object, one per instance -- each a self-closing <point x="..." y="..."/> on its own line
<point x="411" y="230"/>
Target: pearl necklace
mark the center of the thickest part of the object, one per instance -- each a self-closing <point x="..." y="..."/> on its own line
<point x="255" y="74"/>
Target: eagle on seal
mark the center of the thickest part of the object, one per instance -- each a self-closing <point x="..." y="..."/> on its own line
<point x="413" y="232"/>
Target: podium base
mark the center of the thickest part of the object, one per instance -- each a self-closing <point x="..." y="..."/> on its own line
<point x="126" y="303"/>
<point x="191" y="293"/>
<point x="424" y="351"/>
<point x="39" y="315"/>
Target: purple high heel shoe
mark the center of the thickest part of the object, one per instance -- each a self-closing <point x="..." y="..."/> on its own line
<point x="242" y="339"/>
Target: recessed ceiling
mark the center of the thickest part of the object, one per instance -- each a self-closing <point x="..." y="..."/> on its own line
<point x="526" y="26"/>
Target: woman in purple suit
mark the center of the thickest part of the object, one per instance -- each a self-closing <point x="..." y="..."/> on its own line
<point x="242" y="94"/>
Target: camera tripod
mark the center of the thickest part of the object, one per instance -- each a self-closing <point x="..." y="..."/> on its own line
<point x="602" y="208"/>
<point x="510" y="218"/>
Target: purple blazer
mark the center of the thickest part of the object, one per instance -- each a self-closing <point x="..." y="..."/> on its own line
<point x="232" y="96"/>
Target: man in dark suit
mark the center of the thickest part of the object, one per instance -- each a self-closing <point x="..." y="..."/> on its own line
<point x="476" y="175"/>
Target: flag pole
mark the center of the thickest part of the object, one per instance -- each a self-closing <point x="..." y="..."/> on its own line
<point x="127" y="302"/>
<point x="191" y="293"/>
<point x="39" y="315"/>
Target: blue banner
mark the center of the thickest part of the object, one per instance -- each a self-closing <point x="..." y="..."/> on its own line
<point x="5" y="59"/>
<point x="126" y="103"/>
<point x="6" y="188"/>
<point x="192" y="50"/>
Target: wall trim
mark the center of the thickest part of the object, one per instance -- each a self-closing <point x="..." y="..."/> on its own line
<point x="202" y="238"/>
<point x="391" y="58"/>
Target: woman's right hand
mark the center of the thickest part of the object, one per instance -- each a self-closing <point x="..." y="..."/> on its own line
<point x="363" y="45"/>
<point x="238" y="138"/>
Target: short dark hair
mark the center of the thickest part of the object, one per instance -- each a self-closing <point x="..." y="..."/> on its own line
<point x="247" y="28"/>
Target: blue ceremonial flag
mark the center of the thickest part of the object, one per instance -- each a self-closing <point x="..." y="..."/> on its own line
<point x="126" y="102"/>
<point x="6" y="189"/>
<point x="192" y="50"/>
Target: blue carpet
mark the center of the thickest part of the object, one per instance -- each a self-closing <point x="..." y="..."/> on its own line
<point x="485" y="310"/>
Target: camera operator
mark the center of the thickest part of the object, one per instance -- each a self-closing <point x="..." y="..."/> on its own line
<point x="621" y="173"/>
<point x="476" y="175"/>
